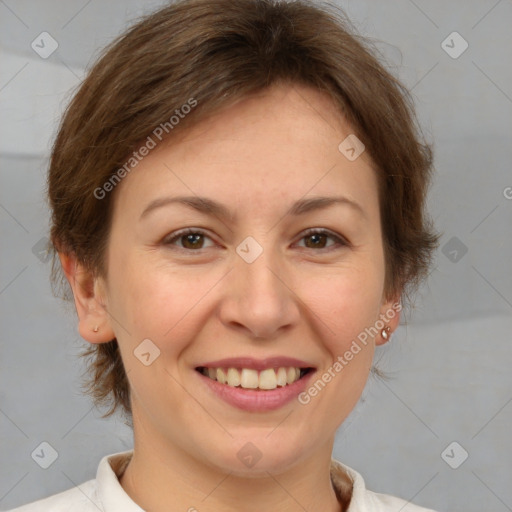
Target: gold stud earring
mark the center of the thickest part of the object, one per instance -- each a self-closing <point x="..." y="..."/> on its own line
<point x="385" y="333"/>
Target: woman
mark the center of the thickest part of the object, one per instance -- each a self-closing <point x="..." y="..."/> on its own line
<point x="237" y="191"/>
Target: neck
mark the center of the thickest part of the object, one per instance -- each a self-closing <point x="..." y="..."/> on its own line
<point x="159" y="475"/>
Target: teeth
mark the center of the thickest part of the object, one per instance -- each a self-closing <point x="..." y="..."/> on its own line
<point x="233" y="377"/>
<point x="292" y="374"/>
<point x="221" y="376"/>
<point x="247" y="378"/>
<point x="281" y="376"/>
<point x="268" y="379"/>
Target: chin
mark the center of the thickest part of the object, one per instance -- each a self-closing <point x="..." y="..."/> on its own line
<point x="259" y="454"/>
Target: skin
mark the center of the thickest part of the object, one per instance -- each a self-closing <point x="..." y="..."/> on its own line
<point x="296" y="299"/>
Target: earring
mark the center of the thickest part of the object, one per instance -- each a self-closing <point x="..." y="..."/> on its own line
<point x="96" y="329"/>
<point x="385" y="333"/>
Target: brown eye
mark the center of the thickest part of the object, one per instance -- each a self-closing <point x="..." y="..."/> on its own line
<point x="318" y="239"/>
<point x="188" y="239"/>
<point x="192" y="241"/>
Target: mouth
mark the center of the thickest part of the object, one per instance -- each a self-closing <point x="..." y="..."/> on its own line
<point x="255" y="379"/>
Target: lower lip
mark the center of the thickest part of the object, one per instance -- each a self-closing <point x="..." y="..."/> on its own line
<point x="255" y="400"/>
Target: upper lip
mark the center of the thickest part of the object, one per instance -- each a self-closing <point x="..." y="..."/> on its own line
<point x="256" y="364"/>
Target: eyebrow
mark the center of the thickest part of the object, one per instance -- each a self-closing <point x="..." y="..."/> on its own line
<point x="211" y="207"/>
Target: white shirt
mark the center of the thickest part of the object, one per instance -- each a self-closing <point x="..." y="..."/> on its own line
<point x="105" y="494"/>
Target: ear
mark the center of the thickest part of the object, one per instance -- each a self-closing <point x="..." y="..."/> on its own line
<point x="89" y="293"/>
<point x="390" y="316"/>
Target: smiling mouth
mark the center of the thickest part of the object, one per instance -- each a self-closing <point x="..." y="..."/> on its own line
<point x="248" y="378"/>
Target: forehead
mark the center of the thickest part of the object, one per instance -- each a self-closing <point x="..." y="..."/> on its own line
<point x="280" y="144"/>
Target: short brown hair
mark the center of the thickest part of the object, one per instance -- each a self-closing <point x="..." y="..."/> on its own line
<point x="218" y="52"/>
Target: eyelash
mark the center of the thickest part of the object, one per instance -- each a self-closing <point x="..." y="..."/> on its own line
<point x="340" y="241"/>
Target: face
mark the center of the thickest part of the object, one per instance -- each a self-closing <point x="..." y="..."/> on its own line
<point x="247" y="287"/>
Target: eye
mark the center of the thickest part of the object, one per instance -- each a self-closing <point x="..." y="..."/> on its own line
<point x="317" y="239"/>
<point x="190" y="239"/>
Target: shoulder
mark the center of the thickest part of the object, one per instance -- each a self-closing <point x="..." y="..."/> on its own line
<point x="82" y="498"/>
<point x="386" y="503"/>
<point x="350" y="484"/>
<point x="99" y="494"/>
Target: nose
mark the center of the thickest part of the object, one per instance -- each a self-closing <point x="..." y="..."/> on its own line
<point x="258" y="299"/>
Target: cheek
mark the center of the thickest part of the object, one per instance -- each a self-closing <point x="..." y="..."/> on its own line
<point x="158" y="301"/>
<point x="344" y="303"/>
<point x="156" y="304"/>
<point x="347" y="308"/>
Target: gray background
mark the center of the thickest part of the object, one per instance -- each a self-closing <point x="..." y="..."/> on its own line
<point x="449" y="368"/>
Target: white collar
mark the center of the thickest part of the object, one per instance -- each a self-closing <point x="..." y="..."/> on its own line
<point x="110" y="492"/>
<point x="115" y="499"/>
